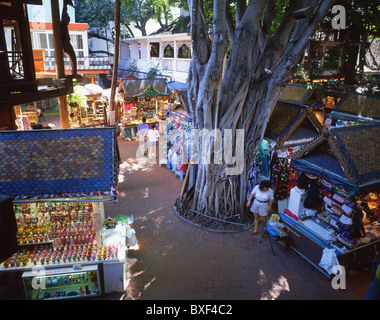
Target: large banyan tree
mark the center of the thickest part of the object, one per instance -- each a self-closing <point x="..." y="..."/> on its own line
<point x="237" y="71"/>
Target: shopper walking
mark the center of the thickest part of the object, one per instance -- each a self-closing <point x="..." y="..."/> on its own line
<point x="153" y="136"/>
<point x="142" y="130"/>
<point x="260" y="202"/>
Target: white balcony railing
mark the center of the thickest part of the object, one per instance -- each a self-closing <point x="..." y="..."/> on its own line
<point x="85" y="63"/>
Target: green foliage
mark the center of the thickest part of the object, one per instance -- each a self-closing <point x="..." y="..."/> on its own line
<point x="77" y="98"/>
<point x="97" y="13"/>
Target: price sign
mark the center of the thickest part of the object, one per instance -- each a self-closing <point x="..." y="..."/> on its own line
<point x="112" y="118"/>
<point x="97" y="221"/>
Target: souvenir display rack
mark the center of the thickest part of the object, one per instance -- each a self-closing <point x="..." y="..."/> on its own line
<point x="63" y="283"/>
<point x="144" y="98"/>
<point x="340" y="207"/>
<point x="58" y="200"/>
<point x="64" y="233"/>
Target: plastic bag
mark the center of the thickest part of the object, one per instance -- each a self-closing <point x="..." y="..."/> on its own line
<point x="130" y="239"/>
<point x="328" y="260"/>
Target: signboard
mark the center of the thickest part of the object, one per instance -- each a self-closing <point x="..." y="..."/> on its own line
<point x="97" y="221"/>
<point x="112" y="118"/>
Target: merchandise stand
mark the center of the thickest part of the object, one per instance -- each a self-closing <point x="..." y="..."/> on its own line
<point x="149" y="98"/>
<point x="333" y="213"/>
<point x="58" y="200"/>
<point x="177" y="138"/>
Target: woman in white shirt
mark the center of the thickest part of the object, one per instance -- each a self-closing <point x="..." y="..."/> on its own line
<point x="263" y="195"/>
<point x="153" y="136"/>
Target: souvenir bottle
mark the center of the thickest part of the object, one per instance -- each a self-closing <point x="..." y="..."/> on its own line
<point x="20" y="228"/>
<point x="33" y="218"/>
<point x="73" y="215"/>
<point x="21" y="218"/>
<point x="66" y="216"/>
<point x="40" y="217"/>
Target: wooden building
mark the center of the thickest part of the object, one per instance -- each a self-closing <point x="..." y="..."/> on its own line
<point x="18" y="81"/>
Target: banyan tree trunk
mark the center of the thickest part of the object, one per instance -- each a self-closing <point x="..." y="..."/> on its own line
<point x="234" y="97"/>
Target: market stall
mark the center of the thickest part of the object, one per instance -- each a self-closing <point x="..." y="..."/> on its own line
<point x="149" y="98"/>
<point x="58" y="181"/>
<point x="87" y="106"/>
<point x="333" y="212"/>
<point x="178" y="135"/>
<point x="289" y="128"/>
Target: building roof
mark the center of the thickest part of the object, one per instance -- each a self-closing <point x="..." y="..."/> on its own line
<point x="136" y="87"/>
<point x="180" y="25"/>
<point x="292" y="124"/>
<point x="40" y="164"/>
<point x="344" y="155"/>
<point x="362" y="107"/>
<point x="300" y="94"/>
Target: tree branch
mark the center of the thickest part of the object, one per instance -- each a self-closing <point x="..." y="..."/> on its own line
<point x="269" y="14"/>
<point x="230" y="23"/>
<point x="199" y="35"/>
<point x="241" y="6"/>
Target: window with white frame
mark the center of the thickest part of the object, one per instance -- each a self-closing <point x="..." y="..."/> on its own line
<point x="184" y="52"/>
<point x="44" y="40"/>
<point x="168" y="51"/>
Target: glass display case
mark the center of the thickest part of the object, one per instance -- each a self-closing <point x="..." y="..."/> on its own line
<point x="62" y="283"/>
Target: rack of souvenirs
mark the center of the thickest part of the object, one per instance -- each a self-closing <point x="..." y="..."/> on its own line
<point x="53" y="233"/>
<point x="62" y="234"/>
<point x="325" y="221"/>
<point x="150" y="104"/>
<point x="90" y="115"/>
<point x="274" y="165"/>
<point x="177" y="142"/>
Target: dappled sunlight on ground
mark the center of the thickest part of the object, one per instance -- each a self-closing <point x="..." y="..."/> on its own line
<point x="133" y="165"/>
<point x="135" y="287"/>
<point x="276" y="288"/>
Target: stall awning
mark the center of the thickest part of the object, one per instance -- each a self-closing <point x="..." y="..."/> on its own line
<point x="150" y="92"/>
<point x="176" y="85"/>
<point x="292" y="125"/>
<point x="46" y="164"/>
<point x="345" y="154"/>
<point x="300" y="94"/>
<point x="324" y="166"/>
<point x="357" y="107"/>
<point x="136" y="87"/>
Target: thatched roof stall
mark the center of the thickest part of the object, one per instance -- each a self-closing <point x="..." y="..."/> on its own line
<point x="336" y="156"/>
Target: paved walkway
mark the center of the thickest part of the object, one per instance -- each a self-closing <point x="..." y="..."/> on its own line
<point x="177" y="261"/>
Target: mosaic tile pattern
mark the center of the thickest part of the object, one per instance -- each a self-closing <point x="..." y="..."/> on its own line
<point x="360" y="146"/>
<point x="360" y="104"/>
<point x="137" y="86"/>
<point x="295" y="93"/>
<point x="57" y="161"/>
<point x="283" y="117"/>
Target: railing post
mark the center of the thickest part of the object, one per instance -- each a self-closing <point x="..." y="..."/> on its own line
<point x="59" y="62"/>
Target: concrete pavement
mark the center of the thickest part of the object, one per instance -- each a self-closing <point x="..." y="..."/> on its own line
<point x="177" y="261"/>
